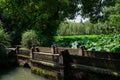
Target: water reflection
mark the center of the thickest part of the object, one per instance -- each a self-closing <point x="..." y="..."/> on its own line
<point x="21" y="73"/>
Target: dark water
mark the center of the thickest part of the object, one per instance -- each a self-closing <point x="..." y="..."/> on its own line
<point x="20" y="73"/>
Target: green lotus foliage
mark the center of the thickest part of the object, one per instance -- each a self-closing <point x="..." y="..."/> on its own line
<point x="109" y="43"/>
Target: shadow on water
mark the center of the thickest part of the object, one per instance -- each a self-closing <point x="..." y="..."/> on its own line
<point x="5" y="70"/>
<point x="26" y="65"/>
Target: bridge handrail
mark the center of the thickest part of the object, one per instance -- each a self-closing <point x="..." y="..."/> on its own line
<point x="46" y="53"/>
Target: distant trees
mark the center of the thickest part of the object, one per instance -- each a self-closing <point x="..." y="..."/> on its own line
<point x="71" y="28"/>
<point x="68" y="28"/>
<point x="87" y="28"/>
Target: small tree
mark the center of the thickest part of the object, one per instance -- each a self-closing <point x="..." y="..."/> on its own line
<point x="30" y="38"/>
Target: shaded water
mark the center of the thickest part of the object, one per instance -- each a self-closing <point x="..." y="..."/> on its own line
<point x="20" y="73"/>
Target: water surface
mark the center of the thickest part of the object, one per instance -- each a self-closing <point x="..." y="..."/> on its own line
<point x="20" y="73"/>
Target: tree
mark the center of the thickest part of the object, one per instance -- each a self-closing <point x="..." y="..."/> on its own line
<point x="94" y="8"/>
<point x="111" y="10"/>
<point x="112" y="15"/>
<point x="45" y="15"/>
<point x="41" y="15"/>
<point x="115" y="22"/>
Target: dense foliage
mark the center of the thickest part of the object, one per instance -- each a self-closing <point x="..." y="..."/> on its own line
<point x="4" y="43"/>
<point x="41" y="15"/>
<point x="94" y="9"/>
<point x="111" y="14"/>
<point x="109" y="43"/>
<point x="111" y="10"/>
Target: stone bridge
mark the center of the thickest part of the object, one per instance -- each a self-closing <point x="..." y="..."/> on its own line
<point x="67" y="63"/>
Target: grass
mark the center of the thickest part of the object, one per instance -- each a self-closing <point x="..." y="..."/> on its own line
<point x="45" y="73"/>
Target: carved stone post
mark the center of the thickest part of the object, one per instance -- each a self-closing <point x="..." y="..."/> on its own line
<point x="53" y="49"/>
<point x="17" y="49"/>
<point x="65" y="60"/>
<point x="81" y="50"/>
<point x="31" y="52"/>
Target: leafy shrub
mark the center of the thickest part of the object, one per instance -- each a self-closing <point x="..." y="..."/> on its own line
<point x="30" y="38"/>
<point x="116" y="49"/>
<point x="4" y="41"/>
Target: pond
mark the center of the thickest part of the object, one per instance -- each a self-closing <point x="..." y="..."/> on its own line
<point x="20" y="73"/>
